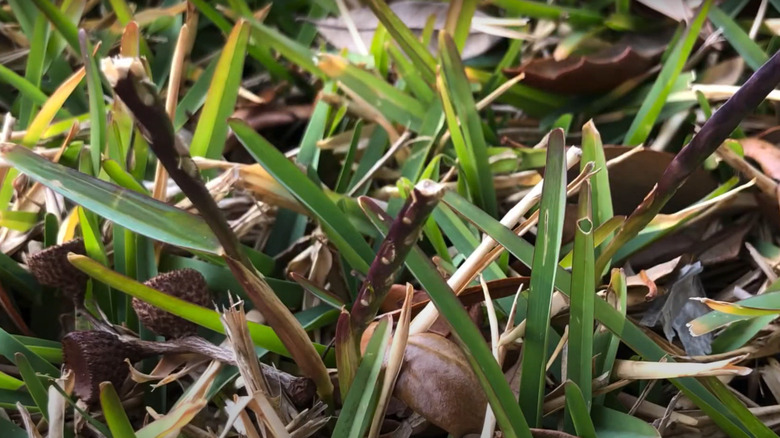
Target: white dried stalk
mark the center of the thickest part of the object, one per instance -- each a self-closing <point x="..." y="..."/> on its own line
<point x="235" y="323"/>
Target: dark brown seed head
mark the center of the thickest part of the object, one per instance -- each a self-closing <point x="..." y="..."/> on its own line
<point x="52" y="268"/>
<point x="187" y="284"/>
<point x="94" y="357"/>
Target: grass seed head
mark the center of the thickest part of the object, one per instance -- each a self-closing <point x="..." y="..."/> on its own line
<point x="52" y="268"/>
<point x="186" y="284"/>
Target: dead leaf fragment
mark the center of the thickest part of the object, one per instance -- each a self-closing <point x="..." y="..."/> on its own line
<point x="598" y="72"/>
<point x="676" y="309"/>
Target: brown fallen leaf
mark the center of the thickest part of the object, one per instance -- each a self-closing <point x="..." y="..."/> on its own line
<point x="598" y="72"/>
<point x="764" y="153"/>
<point x="437" y="382"/>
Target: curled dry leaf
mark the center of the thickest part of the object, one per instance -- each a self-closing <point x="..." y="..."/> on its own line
<point x="599" y="72"/>
<point x="414" y="14"/>
<point x="437" y="382"/>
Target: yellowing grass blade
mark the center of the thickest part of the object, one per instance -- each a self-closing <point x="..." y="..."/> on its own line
<point x="51" y="107"/>
<point x="209" y="138"/>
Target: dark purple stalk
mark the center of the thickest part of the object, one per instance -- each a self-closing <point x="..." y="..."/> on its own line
<point x="149" y="112"/>
<point x="402" y="236"/>
<point x="714" y="132"/>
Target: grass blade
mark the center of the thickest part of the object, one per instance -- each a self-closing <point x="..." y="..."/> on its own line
<point x="34" y="384"/>
<point x="583" y="294"/>
<point x="394" y="104"/>
<point x="50" y="108"/>
<point x="115" y="415"/>
<point x="656" y="99"/>
<point x="465" y="126"/>
<point x="356" y="413"/>
<point x="613" y="320"/>
<point x="578" y="411"/>
<point x="209" y="137"/>
<point x="137" y="212"/>
<point x="544" y="267"/>
<point x="415" y="50"/>
<point x="593" y="151"/>
<point x="338" y="228"/>
<point x="97" y="106"/>
<point x="751" y="52"/>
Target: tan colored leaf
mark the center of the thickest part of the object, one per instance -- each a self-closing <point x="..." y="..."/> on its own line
<point x="437" y="382"/>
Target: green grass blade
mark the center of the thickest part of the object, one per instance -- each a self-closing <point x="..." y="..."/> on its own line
<point x="406" y="70"/>
<point x="61" y="23"/>
<point x="194" y="97"/>
<point x="9" y="382"/>
<point x="578" y="411"/>
<point x="10" y="346"/>
<point x="342" y="183"/>
<point x="18" y="220"/>
<point x="97" y="106"/>
<point x="24" y="13"/>
<point x="499" y="395"/>
<point x="593" y="151"/>
<point x="132" y="210"/>
<point x="583" y="294"/>
<point x="294" y="51"/>
<point x="338" y="228"/>
<point x="356" y="413"/>
<point x="34" y="69"/>
<point x="610" y="423"/>
<point x="34" y="384"/>
<point x="751" y="52"/>
<point x="607" y="343"/>
<point x="209" y="137"/>
<point x="11" y="430"/>
<point x="458" y="22"/>
<point x="26" y="88"/>
<point x="543" y="273"/>
<point x="465" y="127"/>
<point x="309" y="153"/>
<point x="656" y="99"/>
<point x="114" y="412"/>
<point x="462" y="238"/>
<point x="122" y="177"/>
